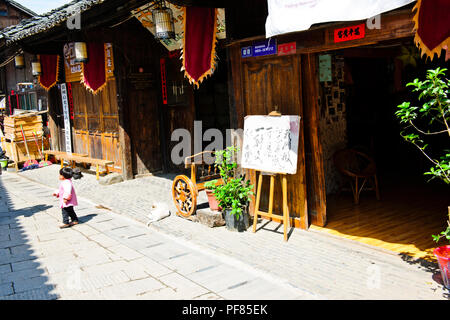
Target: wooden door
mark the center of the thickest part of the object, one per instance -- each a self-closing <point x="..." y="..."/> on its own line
<point x="267" y="84"/>
<point x="144" y="122"/>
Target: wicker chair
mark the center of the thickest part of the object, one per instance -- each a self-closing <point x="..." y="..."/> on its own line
<point x="358" y="169"/>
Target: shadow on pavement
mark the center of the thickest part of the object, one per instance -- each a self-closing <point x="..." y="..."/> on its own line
<point x="22" y="277"/>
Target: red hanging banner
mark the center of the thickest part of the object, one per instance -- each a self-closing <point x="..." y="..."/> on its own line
<point x="49" y="67"/>
<point x="432" y="26"/>
<point x="94" y="71"/>
<point x="199" y="43"/>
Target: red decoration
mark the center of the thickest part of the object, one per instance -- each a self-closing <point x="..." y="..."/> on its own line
<point x="94" y="71"/>
<point x="287" y="48"/>
<point x="162" y="62"/>
<point x="70" y="98"/>
<point x="432" y="26"/>
<point x="49" y="67"/>
<point x="199" y="43"/>
<point x="350" y="33"/>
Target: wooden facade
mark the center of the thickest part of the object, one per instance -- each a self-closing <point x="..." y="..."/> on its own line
<point x="290" y="84"/>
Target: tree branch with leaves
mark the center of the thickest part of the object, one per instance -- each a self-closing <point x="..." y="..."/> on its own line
<point x="434" y="114"/>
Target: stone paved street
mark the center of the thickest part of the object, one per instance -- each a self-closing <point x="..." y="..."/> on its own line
<point x="108" y="256"/>
<point x="317" y="264"/>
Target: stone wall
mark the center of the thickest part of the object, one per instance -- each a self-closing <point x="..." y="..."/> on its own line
<point x="333" y="124"/>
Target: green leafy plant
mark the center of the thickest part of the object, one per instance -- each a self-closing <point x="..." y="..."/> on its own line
<point x="234" y="193"/>
<point x="435" y="115"/>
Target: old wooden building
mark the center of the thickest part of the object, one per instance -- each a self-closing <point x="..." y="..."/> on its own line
<point x="346" y="92"/>
<point x="127" y="120"/>
<point x="16" y="84"/>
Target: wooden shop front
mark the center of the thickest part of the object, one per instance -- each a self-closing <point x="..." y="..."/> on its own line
<point x="410" y="210"/>
<point x="289" y="81"/>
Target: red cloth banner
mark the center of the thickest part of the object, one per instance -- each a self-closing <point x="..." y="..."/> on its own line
<point x="432" y="26"/>
<point x="199" y="43"/>
<point x="94" y="70"/>
<point x="49" y="69"/>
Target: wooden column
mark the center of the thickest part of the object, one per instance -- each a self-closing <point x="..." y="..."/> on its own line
<point x="315" y="171"/>
<point x="124" y="135"/>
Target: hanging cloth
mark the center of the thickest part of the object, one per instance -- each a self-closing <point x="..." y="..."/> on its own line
<point x="50" y="68"/>
<point x="199" y="43"/>
<point x="94" y="70"/>
<point x="431" y="23"/>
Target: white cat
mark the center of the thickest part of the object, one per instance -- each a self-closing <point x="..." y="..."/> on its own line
<point x="159" y="211"/>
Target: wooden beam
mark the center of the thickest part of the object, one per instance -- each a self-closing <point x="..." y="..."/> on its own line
<point x="315" y="171"/>
<point x="394" y="25"/>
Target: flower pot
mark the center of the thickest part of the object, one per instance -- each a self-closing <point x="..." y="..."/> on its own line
<point x="234" y="224"/>
<point x="443" y="256"/>
<point x="213" y="203"/>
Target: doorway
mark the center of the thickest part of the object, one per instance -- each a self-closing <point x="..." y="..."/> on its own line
<point x="411" y="208"/>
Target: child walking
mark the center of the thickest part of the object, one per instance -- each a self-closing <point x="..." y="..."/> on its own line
<point x="67" y="196"/>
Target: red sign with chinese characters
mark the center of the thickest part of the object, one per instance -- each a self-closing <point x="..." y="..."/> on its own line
<point x="287" y="48"/>
<point x="350" y="33"/>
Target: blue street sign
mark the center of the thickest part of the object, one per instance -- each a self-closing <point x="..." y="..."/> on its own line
<point x="264" y="48"/>
<point x="246" y="52"/>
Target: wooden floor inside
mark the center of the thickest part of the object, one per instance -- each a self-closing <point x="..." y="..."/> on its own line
<point x="402" y="221"/>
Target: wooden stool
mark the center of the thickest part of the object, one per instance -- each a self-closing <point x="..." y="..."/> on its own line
<point x="269" y="213"/>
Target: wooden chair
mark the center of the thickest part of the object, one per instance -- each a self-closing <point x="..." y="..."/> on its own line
<point x="358" y="168"/>
<point x="185" y="190"/>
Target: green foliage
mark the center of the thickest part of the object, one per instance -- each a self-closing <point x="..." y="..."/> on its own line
<point x="235" y="193"/>
<point x="435" y="114"/>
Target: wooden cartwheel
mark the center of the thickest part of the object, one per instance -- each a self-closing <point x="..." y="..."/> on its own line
<point x="184" y="194"/>
<point x="185" y="190"/>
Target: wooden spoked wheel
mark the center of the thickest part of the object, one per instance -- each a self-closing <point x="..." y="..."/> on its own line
<point x="184" y="194"/>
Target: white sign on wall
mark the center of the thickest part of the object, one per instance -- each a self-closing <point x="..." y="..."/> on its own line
<point x="298" y="15"/>
<point x="67" y="129"/>
<point x="271" y="143"/>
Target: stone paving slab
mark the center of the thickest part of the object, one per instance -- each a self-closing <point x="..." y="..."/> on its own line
<point x="122" y="259"/>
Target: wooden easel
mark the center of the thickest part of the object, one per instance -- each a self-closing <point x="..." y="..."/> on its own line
<point x="269" y="214"/>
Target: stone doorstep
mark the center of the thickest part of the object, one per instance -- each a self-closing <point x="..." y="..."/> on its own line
<point x="209" y="218"/>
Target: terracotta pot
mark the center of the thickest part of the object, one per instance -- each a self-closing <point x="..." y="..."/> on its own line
<point x="213" y="203"/>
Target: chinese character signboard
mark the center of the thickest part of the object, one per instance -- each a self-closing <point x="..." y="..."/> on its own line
<point x="66" y="112"/>
<point x="287" y="48"/>
<point x="350" y="33"/>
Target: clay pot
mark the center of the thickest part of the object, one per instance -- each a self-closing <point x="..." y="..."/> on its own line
<point x="213" y="203"/>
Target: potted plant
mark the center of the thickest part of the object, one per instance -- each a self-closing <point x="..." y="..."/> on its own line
<point x="435" y="113"/>
<point x="213" y="203"/>
<point x="234" y="194"/>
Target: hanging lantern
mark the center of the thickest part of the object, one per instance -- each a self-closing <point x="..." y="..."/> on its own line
<point x="19" y="61"/>
<point x="80" y="52"/>
<point x="36" y="67"/>
<point x="163" y="21"/>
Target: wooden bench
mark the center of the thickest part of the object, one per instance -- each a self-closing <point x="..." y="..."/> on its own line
<point x="56" y="153"/>
<point x="82" y="158"/>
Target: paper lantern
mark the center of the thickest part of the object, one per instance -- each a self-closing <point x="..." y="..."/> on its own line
<point x="19" y="61"/>
<point x="80" y="52"/>
<point x="36" y="69"/>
